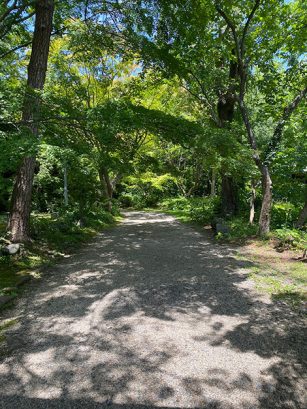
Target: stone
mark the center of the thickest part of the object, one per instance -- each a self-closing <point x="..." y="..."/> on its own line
<point x="11" y="249"/>
<point x="80" y="223"/>
<point x="222" y="228"/>
<point x="219" y="226"/>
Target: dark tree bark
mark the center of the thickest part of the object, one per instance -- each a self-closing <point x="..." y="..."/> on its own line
<point x="302" y="217"/>
<point x="107" y="186"/>
<point x="18" y="226"/>
<point x="229" y="196"/>
<point x="225" y="110"/>
<point x="266" y="205"/>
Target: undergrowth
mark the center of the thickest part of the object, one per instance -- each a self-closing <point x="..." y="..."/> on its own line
<point x="54" y="236"/>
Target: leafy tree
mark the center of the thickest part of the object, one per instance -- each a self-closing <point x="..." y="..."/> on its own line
<point x="215" y="48"/>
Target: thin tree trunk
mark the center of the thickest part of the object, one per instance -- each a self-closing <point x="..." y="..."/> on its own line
<point x="213" y="183"/>
<point x="252" y="203"/>
<point x="116" y="180"/>
<point x="265" y="214"/>
<point x="107" y="186"/>
<point x="19" y="220"/>
<point x="266" y="205"/>
<point x="65" y="186"/>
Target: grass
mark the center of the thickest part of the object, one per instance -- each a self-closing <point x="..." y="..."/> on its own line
<point x="288" y="285"/>
<point x="53" y="238"/>
<point x="4" y="326"/>
<point x="280" y="275"/>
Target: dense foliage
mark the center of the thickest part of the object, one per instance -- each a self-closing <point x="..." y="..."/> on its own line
<point x="181" y="105"/>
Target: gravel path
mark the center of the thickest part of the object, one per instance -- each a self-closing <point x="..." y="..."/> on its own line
<point x="152" y="314"/>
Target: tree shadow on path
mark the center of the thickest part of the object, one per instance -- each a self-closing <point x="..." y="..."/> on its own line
<point x="153" y="314"/>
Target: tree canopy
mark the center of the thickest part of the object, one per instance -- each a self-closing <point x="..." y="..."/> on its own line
<point x="109" y="102"/>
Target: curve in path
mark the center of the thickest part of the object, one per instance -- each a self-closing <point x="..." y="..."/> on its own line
<point x="152" y="314"/>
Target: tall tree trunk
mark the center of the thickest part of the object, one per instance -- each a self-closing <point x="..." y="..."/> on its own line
<point x="213" y="182"/>
<point x="229" y="196"/>
<point x="252" y="203"/>
<point x="107" y="186"/>
<point x="19" y="219"/>
<point x="65" y="185"/>
<point x="265" y="214"/>
<point x="225" y="110"/>
<point x="302" y="217"/>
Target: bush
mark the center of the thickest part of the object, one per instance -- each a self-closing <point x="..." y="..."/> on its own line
<point x="126" y="200"/>
<point x="99" y="218"/>
<point x="176" y="203"/>
<point x="199" y="209"/>
<point x="146" y="191"/>
<point x="140" y="198"/>
<point x="69" y="226"/>
<point x="239" y="228"/>
<point x="284" y="214"/>
<point x="290" y="238"/>
<point x="204" y="210"/>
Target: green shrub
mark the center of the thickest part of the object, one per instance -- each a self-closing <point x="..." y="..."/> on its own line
<point x="204" y="210"/>
<point x="239" y="228"/>
<point x="126" y="200"/>
<point x="146" y="191"/>
<point x="198" y="209"/>
<point x="290" y="238"/>
<point x="176" y="203"/>
<point x="68" y="227"/>
<point x="140" y="198"/>
<point x="284" y="214"/>
<point x="98" y="218"/>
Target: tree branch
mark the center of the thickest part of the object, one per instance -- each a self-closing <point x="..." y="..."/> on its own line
<point x="238" y="50"/>
<point x="232" y="27"/>
<point x="277" y="135"/>
<point x="249" y="19"/>
<point x="12" y="50"/>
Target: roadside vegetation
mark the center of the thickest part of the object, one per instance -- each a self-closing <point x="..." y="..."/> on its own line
<point x="54" y="237"/>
